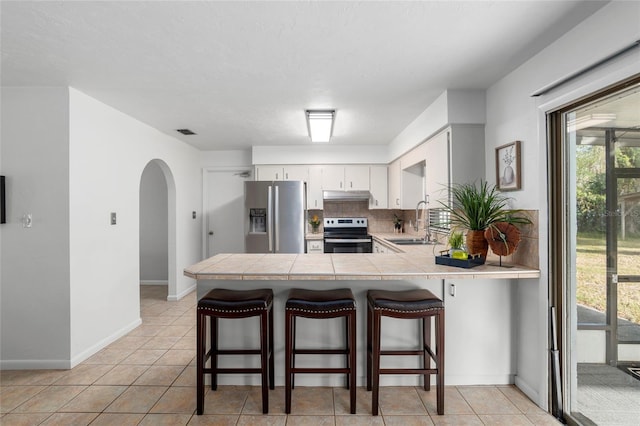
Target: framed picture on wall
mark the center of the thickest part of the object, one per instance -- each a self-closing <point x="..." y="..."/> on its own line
<point x="508" y="167"/>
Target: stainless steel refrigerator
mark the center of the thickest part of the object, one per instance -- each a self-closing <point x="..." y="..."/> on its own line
<point x="274" y="216"/>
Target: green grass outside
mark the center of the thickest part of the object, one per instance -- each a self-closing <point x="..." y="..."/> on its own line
<point x="591" y="274"/>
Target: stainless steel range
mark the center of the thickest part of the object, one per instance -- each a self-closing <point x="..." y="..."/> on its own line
<point x="347" y="235"/>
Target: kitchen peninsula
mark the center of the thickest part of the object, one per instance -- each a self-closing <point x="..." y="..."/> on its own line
<point x="479" y="303"/>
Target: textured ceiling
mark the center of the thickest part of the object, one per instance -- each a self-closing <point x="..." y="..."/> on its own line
<point x="242" y="73"/>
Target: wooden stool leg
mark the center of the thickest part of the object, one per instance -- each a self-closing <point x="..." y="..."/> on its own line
<point x="272" y="382"/>
<point x="426" y="343"/>
<point x="440" y="361"/>
<point x="287" y="356"/>
<point x="264" y="348"/>
<point x="347" y="345"/>
<point x="376" y="362"/>
<point x="214" y="353"/>
<point x="369" y="346"/>
<point x="200" y="359"/>
<point x="351" y="319"/>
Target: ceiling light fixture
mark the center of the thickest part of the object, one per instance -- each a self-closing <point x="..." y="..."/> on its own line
<point x="320" y="124"/>
<point x="588" y="121"/>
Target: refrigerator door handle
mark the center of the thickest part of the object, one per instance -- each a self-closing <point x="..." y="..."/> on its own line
<point x="276" y="214"/>
<point x="269" y="219"/>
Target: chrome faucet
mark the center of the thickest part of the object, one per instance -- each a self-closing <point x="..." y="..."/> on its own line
<point x="416" y="226"/>
<point x="427" y="236"/>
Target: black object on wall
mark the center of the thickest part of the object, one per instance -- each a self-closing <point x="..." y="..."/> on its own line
<point x="3" y="208"/>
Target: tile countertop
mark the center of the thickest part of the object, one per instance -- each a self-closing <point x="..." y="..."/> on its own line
<point x="419" y="263"/>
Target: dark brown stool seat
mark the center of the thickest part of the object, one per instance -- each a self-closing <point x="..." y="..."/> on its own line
<point x="222" y="303"/>
<point x="320" y="304"/>
<point x="408" y="304"/>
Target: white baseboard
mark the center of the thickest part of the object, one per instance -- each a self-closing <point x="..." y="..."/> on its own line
<point x="104" y="342"/>
<point x="179" y="296"/>
<point x="35" y="364"/>
<point x="154" y="282"/>
<point x="66" y="364"/>
<point x="529" y="391"/>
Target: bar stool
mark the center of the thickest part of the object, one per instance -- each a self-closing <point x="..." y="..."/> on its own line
<point x="409" y="304"/>
<point x="222" y="303"/>
<point x="320" y="304"/>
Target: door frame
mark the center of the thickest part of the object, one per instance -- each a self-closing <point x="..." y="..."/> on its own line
<point x="560" y="260"/>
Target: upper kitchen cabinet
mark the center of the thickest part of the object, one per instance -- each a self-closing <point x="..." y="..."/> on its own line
<point x="314" y="189"/>
<point x="413" y="177"/>
<point x="454" y="156"/>
<point x="437" y="178"/>
<point x="356" y="178"/>
<point x="378" y="185"/>
<point x="395" y="185"/>
<point x="345" y="178"/>
<point x="270" y="172"/>
<point x="467" y="153"/>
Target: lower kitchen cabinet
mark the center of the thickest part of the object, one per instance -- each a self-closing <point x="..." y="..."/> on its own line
<point x="315" y="246"/>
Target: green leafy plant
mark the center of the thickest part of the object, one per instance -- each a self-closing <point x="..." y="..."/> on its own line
<point x="477" y="207"/>
<point x="456" y="239"/>
<point x="397" y="221"/>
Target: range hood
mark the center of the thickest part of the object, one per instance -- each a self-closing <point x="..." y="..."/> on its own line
<point x="346" y="195"/>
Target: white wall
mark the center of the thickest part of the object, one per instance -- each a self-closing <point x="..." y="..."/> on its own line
<point x="512" y="114"/>
<point x="451" y="107"/>
<point x="70" y="284"/>
<point x="225" y="158"/>
<point x="35" y="261"/>
<point x="108" y="152"/>
<point x="154" y="219"/>
<point x="320" y="154"/>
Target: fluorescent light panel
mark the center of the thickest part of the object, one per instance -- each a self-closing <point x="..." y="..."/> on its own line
<point x="320" y="124"/>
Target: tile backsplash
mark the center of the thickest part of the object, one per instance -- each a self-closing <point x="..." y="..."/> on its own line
<point x="381" y="222"/>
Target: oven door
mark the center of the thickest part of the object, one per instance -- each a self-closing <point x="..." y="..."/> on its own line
<point x="348" y="245"/>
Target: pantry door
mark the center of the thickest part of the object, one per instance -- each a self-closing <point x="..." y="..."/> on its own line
<point x="224" y="210"/>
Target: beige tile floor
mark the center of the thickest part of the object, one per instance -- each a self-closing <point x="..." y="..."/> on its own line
<point x="148" y="378"/>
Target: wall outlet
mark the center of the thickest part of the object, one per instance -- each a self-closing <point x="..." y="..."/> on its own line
<point x="113" y="218"/>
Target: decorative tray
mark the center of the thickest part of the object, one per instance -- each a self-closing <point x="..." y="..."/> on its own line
<point x="470" y="262"/>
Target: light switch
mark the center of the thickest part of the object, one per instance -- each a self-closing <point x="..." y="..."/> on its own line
<point x="27" y="220"/>
<point x="113" y="218"/>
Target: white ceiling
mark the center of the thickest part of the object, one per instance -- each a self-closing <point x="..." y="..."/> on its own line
<point x="242" y="73"/>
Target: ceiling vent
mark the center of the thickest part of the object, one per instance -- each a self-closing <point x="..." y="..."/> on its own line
<point x="185" y="132"/>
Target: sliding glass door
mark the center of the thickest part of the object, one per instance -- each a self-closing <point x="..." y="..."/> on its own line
<point x="595" y="217"/>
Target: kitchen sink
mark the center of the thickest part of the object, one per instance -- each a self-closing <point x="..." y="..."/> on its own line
<point x="411" y="241"/>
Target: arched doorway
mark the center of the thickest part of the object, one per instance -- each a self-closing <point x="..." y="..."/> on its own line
<point x="157" y="227"/>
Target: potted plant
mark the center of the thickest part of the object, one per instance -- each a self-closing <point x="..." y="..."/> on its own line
<point x="397" y="223"/>
<point x="456" y="240"/>
<point x="476" y="208"/>
<point x="315" y="223"/>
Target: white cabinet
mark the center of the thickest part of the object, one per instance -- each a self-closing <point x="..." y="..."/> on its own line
<point x="269" y="172"/>
<point x="296" y="173"/>
<point x="314" y="188"/>
<point x="378" y="187"/>
<point x="437" y="169"/>
<point x="378" y="248"/>
<point x="345" y="178"/>
<point x="315" y="246"/>
<point x="395" y="185"/>
<point x="481" y="310"/>
<point x="333" y="178"/>
<point x="356" y="178"/>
